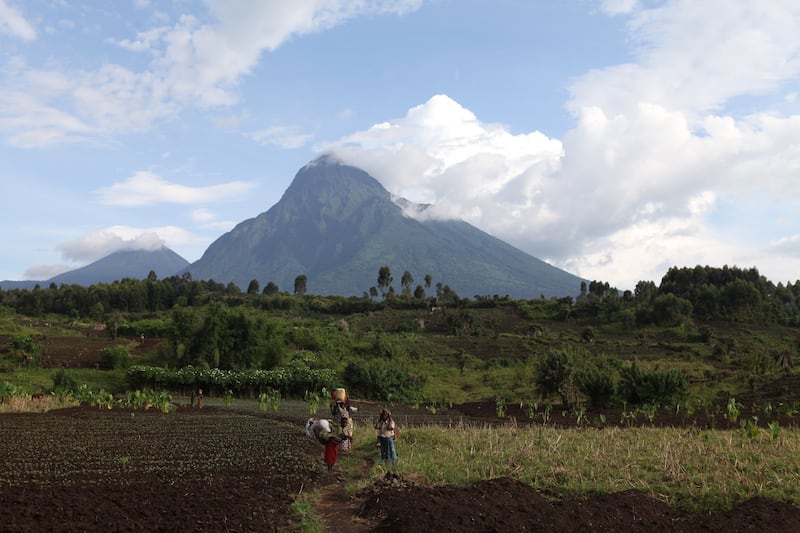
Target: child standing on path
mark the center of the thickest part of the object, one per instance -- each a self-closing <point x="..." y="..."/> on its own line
<point x="332" y="451"/>
<point x="386" y="430"/>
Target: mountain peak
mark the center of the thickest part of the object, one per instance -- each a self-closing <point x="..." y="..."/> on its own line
<point x="125" y="263"/>
<point x="338" y="225"/>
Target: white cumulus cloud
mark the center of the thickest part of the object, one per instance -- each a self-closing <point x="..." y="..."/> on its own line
<point x="13" y="22"/>
<point x="146" y="188"/>
<point x="193" y="62"/>
<point x="99" y="244"/>
<point x="663" y="167"/>
<point x="288" y="137"/>
<point x="42" y="271"/>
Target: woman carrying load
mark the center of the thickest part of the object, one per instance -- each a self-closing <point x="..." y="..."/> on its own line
<point x="342" y="411"/>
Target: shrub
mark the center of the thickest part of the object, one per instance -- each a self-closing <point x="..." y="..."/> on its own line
<point x="150" y="328"/>
<point x="9" y="390"/>
<point x="64" y="381"/>
<point x="553" y="374"/>
<point x="114" y="358"/>
<point x="303" y="373"/>
<point x="597" y="384"/>
<point x="667" y="387"/>
<point x="380" y="379"/>
<point x="28" y="351"/>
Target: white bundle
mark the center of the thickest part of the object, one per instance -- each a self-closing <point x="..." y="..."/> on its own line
<point x="316" y="427"/>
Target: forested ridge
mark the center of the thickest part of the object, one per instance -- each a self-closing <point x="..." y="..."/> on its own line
<point x="702" y="292"/>
<point x="430" y="344"/>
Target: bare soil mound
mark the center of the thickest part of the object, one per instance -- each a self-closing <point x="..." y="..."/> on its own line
<point x="504" y="504"/>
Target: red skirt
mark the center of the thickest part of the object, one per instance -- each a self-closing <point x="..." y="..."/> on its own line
<point x="331" y="452"/>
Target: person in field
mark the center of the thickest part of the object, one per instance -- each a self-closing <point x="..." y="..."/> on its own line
<point x="342" y="411"/>
<point x="387" y="429"/>
<point x="321" y="430"/>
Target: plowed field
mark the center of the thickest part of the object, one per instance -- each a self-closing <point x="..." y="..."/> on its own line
<point x="215" y="469"/>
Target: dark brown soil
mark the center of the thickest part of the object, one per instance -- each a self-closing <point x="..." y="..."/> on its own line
<point x="250" y="498"/>
<point x="182" y="472"/>
<point x="231" y="501"/>
<point x="504" y="504"/>
<point x="82" y="348"/>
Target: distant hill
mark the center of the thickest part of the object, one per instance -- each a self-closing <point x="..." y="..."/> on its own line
<point x="337" y="225"/>
<point x="9" y="285"/>
<point x="135" y="264"/>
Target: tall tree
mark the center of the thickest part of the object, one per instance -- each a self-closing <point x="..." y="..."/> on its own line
<point x="253" y="287"/>
<point x="300" y="284"/>
<point x="232" y="288"/>
<point x="419" y="292"/>
<point x="271" y="288"/>
<point x="384" y="279"/>
<point x="406" y="281"/>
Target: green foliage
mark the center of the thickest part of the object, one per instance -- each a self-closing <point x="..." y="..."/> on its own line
<point x="27" y="351"/>
<point x="734" y="409"/>
<point x="597" y="379"/>
<point x="313" y="400"/>
<point x="387" y="347"/>
<point x="114" y="358"/>
<point x="271" y="288"/>
<point x="219" y="336"/>
<point x="253" y="287"/>
<point x="9" y="390"/>
<point x="379" y="379"/>
<point x="667" y="387"/>
<point x="150" y="328"/>
<point x="300" y="284"/>
<point x="64" y="381"/>
<point x="227" y="397"/>
<point x="671" y="310"/>
<point x="271" y="398"/>
<point x="135" y="399"/>
<point x="385" y="280"/>
<point x="208" y="328"/>
<point x="300" y="374"/>
<point x="500" y="407"/>
<point x="553" y="374"/>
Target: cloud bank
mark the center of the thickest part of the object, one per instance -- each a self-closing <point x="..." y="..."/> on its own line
<point x="190" y="63"/>
<point x="687" y="156"/>
<point x="101" y="243"/>
<point x="146" y="188"/>
<point x="13" y="23"/>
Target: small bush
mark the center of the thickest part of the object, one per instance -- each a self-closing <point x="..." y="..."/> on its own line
<point x="597" y="384"/>
<point x="553" y="374"/>
<point x="665" y="387"/>
<point x="64" y="381"/>
<point x="380" y="379"/>
<point x="114" y="358"/>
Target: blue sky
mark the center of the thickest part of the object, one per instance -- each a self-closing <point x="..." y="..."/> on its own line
<point x="611" y="138"/>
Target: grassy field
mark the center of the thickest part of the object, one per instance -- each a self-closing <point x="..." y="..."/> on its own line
<point x="691" y="470"/>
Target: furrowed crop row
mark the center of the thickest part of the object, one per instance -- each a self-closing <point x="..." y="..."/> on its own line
<point x="106" y="447"/>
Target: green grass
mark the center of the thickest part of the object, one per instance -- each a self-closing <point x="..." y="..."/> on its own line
<point x="309" y="521"/>
<point x="691" y="470"/>
<point x="41" y="379"/>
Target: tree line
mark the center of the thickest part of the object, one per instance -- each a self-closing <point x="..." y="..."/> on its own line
<point x="153" y="295"/>
<point x="702" y="292"/>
